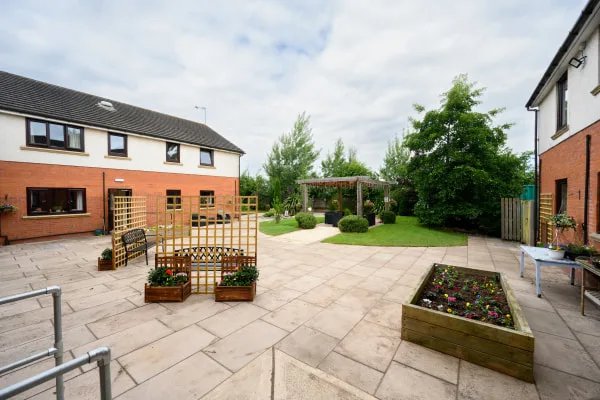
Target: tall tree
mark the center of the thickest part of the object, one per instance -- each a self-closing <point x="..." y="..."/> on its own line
<point x="460" y="165"/>
<point x="395" y="162"/>
<point x="339" y="164"/>
<point x="292" y="157"/>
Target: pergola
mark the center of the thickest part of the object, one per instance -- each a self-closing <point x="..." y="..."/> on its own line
<point x="346" y="182"/>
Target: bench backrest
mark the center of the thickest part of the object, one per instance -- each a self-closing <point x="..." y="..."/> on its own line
<point x="133" y="236"/>
<point x="208" y="253"/>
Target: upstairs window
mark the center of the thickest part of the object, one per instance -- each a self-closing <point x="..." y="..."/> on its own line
<point x="55" y="201"/>
<point x="173" y="199"/>
<point x="172" y="152"/>
<point x="206" y="157"/>
<point x="117" y="145"/>
<point x="207" y="197"/>
<point x="54" y="135"/>
<point x="562" y="87"/>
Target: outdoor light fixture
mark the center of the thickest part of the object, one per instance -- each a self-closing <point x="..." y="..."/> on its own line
<point x="119" y="180"/>
<point x="577" y="62"/>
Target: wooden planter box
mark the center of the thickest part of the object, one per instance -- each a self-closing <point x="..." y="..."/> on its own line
<point x="235" y="293"/>
<point x="105" y="265"/>
<point x="501" y="349"/>
<point x="157" y="294"/>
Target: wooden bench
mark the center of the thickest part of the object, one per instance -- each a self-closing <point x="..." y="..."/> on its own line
<point x="208" y="254"/>
<point x="135" y="241"/>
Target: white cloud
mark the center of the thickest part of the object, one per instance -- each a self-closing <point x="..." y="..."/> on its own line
<point x="357" y="67"/>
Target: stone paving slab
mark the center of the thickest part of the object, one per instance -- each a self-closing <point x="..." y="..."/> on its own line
<point x="333" y="307"/>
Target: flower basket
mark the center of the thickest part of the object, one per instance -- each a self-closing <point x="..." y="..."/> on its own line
<point x="448" y="328"/>
<point x="105" y="265"/>
<point x="157" y="294"/>
<point x="235" y="293"/>
<point x="170" y="280"/>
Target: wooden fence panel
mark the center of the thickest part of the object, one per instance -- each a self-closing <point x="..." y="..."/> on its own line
<point x="511" y="224"/>
<point x="129" y="213"/>
<point x="527" y="222"/>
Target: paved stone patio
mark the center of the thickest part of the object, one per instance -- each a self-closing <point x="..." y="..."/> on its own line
<point x="325" y="324"/>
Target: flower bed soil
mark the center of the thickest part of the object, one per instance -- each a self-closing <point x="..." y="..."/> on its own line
<point x="467" y="295"/>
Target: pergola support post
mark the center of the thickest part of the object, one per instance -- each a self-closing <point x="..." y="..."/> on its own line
<point x="386" y="198"/>
<point x="304" y="198"/>
<point x="359" y="202"/>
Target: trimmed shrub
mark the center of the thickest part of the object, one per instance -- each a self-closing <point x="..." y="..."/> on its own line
<point x="306" y="220"/>
<point x="347" y="211"/>
<point x="269" y="213"/>
<point x="353" y="223"/>
<point x="388" y="217"/>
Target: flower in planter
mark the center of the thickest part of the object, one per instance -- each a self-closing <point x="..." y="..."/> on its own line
<point x="451" y="299"/>
<point x="244" y="276"/>
<point x="163" y="276"/>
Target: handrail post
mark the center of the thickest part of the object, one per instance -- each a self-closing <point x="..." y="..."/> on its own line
<point x="58" y="340"/>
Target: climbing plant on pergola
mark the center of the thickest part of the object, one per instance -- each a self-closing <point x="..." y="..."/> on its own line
<point x="346" y="182"/>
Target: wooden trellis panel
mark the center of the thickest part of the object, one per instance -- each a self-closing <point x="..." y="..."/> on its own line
<point x="546" y="207"/>
<point x="129" y="213"/>
<point x="206" y="228"/>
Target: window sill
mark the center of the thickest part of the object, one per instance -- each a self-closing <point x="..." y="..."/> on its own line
<point x="55" y="151"/>
<point x="560" y="132"/>
<point x="55" y="216"/>
<point x="171" y="163"/>
<point x="118" y="157"/>
<point x="595" y="237"/>
<point x="595" y="90"/>
<point x="207" y="166"/>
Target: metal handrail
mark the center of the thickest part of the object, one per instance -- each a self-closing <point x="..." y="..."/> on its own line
<point x="101" y="355"/>
<point x="57" y="350"/>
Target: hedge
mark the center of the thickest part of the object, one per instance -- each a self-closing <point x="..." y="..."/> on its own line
<point x="388" y="217"/>
<point x="306" y="220"/>
<point x="353" y="223"/>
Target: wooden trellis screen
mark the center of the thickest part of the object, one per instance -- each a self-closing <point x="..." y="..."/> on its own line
<point x="206" y="228"/>
<point x="545" y="213"/>
<point x="129" y="213"/>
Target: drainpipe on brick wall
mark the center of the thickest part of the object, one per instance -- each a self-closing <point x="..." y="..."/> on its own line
<point x="103" y="203"/>
<point x="586" y="200"/>
<point x="536" y="179"/>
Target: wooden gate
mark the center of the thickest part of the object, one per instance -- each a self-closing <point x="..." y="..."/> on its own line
<point x="511" y="219"/>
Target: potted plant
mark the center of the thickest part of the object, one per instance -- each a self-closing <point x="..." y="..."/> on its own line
<point x="561" y="222"/>
<point x="169" y="280"/>
<point x="105" y="262"/>
<point x="5" y="208"/>
<point x="368" y="208"/>
<point x="238" y="286"/>
<point x="572" y="251"/>
<point x="333" y="215"/>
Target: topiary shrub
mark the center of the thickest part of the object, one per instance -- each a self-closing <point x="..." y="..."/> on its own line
<point x="306" y="220"/>
<point x="347" y="211"/>
<point x="388" y="217"/>
<point x="353" y="223"/>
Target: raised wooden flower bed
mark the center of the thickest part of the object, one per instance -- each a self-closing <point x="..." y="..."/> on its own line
<point x="504" y="349"/>
<point x="235" y="293"/>
<point x="153" y="294"/>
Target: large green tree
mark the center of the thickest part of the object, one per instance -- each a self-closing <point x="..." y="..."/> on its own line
<point x="291" y="158"/>
<point x="461" y="166"/>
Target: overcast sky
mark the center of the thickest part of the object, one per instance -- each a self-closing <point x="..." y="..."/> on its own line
<point x="355" y="66"/>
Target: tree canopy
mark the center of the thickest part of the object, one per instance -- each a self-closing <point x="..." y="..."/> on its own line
<point x="292" y="157"/>
<point x="395" y="162"/>
<point x="460" y="165"/>
<point x="339" y="164"/>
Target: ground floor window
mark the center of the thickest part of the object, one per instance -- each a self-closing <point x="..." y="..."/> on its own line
<point x="173" y="199"/>
<point x="207" y="197"/>
<point x="561" y="196"/>
<point x="44" y="201"/>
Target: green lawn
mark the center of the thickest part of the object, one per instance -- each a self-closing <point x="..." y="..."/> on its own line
<point x="284" y="226"/>
<point x="405" y="232"/>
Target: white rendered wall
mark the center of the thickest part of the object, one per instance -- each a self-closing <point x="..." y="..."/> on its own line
<point x="583" y="107"/>
<point x="144" y="154"/>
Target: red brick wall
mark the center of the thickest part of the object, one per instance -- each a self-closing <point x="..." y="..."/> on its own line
<point x="15" y="177"/>
<point x="567" y="161"/>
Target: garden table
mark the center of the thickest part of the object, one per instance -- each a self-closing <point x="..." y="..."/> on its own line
<point x="542" y="259"/>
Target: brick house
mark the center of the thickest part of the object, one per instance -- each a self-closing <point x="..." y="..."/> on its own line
<point x="64" y="154"/>
<point x="566" y="102"/>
